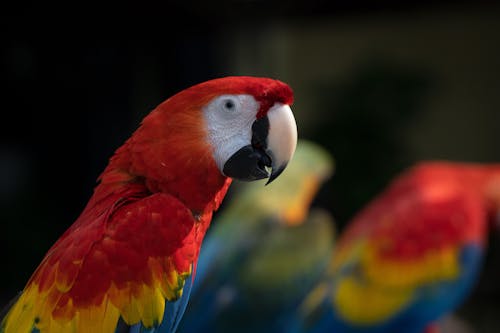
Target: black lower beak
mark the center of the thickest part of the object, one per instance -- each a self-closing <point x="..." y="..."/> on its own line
<point x="251" y="162"/>
<point x="248" y="164"/>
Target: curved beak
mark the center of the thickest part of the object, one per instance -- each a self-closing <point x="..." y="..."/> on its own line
<point x="274" y="138"/>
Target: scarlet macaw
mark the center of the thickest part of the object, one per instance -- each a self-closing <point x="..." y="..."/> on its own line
<point x="410" y="256"/>
<point x="129" y="258"/>
<point x="265" y="251"/>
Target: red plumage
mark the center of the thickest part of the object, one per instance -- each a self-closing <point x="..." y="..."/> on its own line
<point x="459" y="184"/>
<point x="139" y="236"/>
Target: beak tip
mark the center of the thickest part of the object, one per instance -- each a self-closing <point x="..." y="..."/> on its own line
<point x="276" y="172"/>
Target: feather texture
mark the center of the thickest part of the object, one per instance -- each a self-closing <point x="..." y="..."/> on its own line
<point x="128" y="256"/>
<point x="74" y="288"/>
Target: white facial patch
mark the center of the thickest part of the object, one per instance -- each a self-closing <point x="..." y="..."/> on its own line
<point x="229" y="120"/>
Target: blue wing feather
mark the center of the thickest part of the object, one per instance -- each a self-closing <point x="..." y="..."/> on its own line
<point x="175" y="310"/>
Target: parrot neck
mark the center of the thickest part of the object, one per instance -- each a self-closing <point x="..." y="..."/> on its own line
<point x="169" y="153"/>
<point x="195" y="181"/>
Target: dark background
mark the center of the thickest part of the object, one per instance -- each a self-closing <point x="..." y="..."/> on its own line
<point x="380" y="84"/>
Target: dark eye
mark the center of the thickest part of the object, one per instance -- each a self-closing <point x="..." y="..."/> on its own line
<point x="229" y="105"/>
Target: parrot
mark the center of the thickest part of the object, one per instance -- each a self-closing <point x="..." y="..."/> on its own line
<point x="127" y="263"/>
<point x="411" y="256"/>
<point x="264" y="251"/>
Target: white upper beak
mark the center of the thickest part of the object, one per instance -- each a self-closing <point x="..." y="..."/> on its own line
<point x="282" y="138"/>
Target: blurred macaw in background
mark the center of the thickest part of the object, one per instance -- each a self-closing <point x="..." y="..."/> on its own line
<point x="410" y="256"/>
<point x="264" y="252"/>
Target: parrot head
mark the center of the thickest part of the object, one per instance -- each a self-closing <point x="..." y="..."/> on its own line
<point x="250" y="127"/>
<point x="483" y="179"/>
<point x="196" y="141"/>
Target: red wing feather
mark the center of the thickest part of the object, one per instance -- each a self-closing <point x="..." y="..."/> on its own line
<point x="125" y="260"/>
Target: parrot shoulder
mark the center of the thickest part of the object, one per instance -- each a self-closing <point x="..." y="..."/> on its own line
<point x="121" y="261"/>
